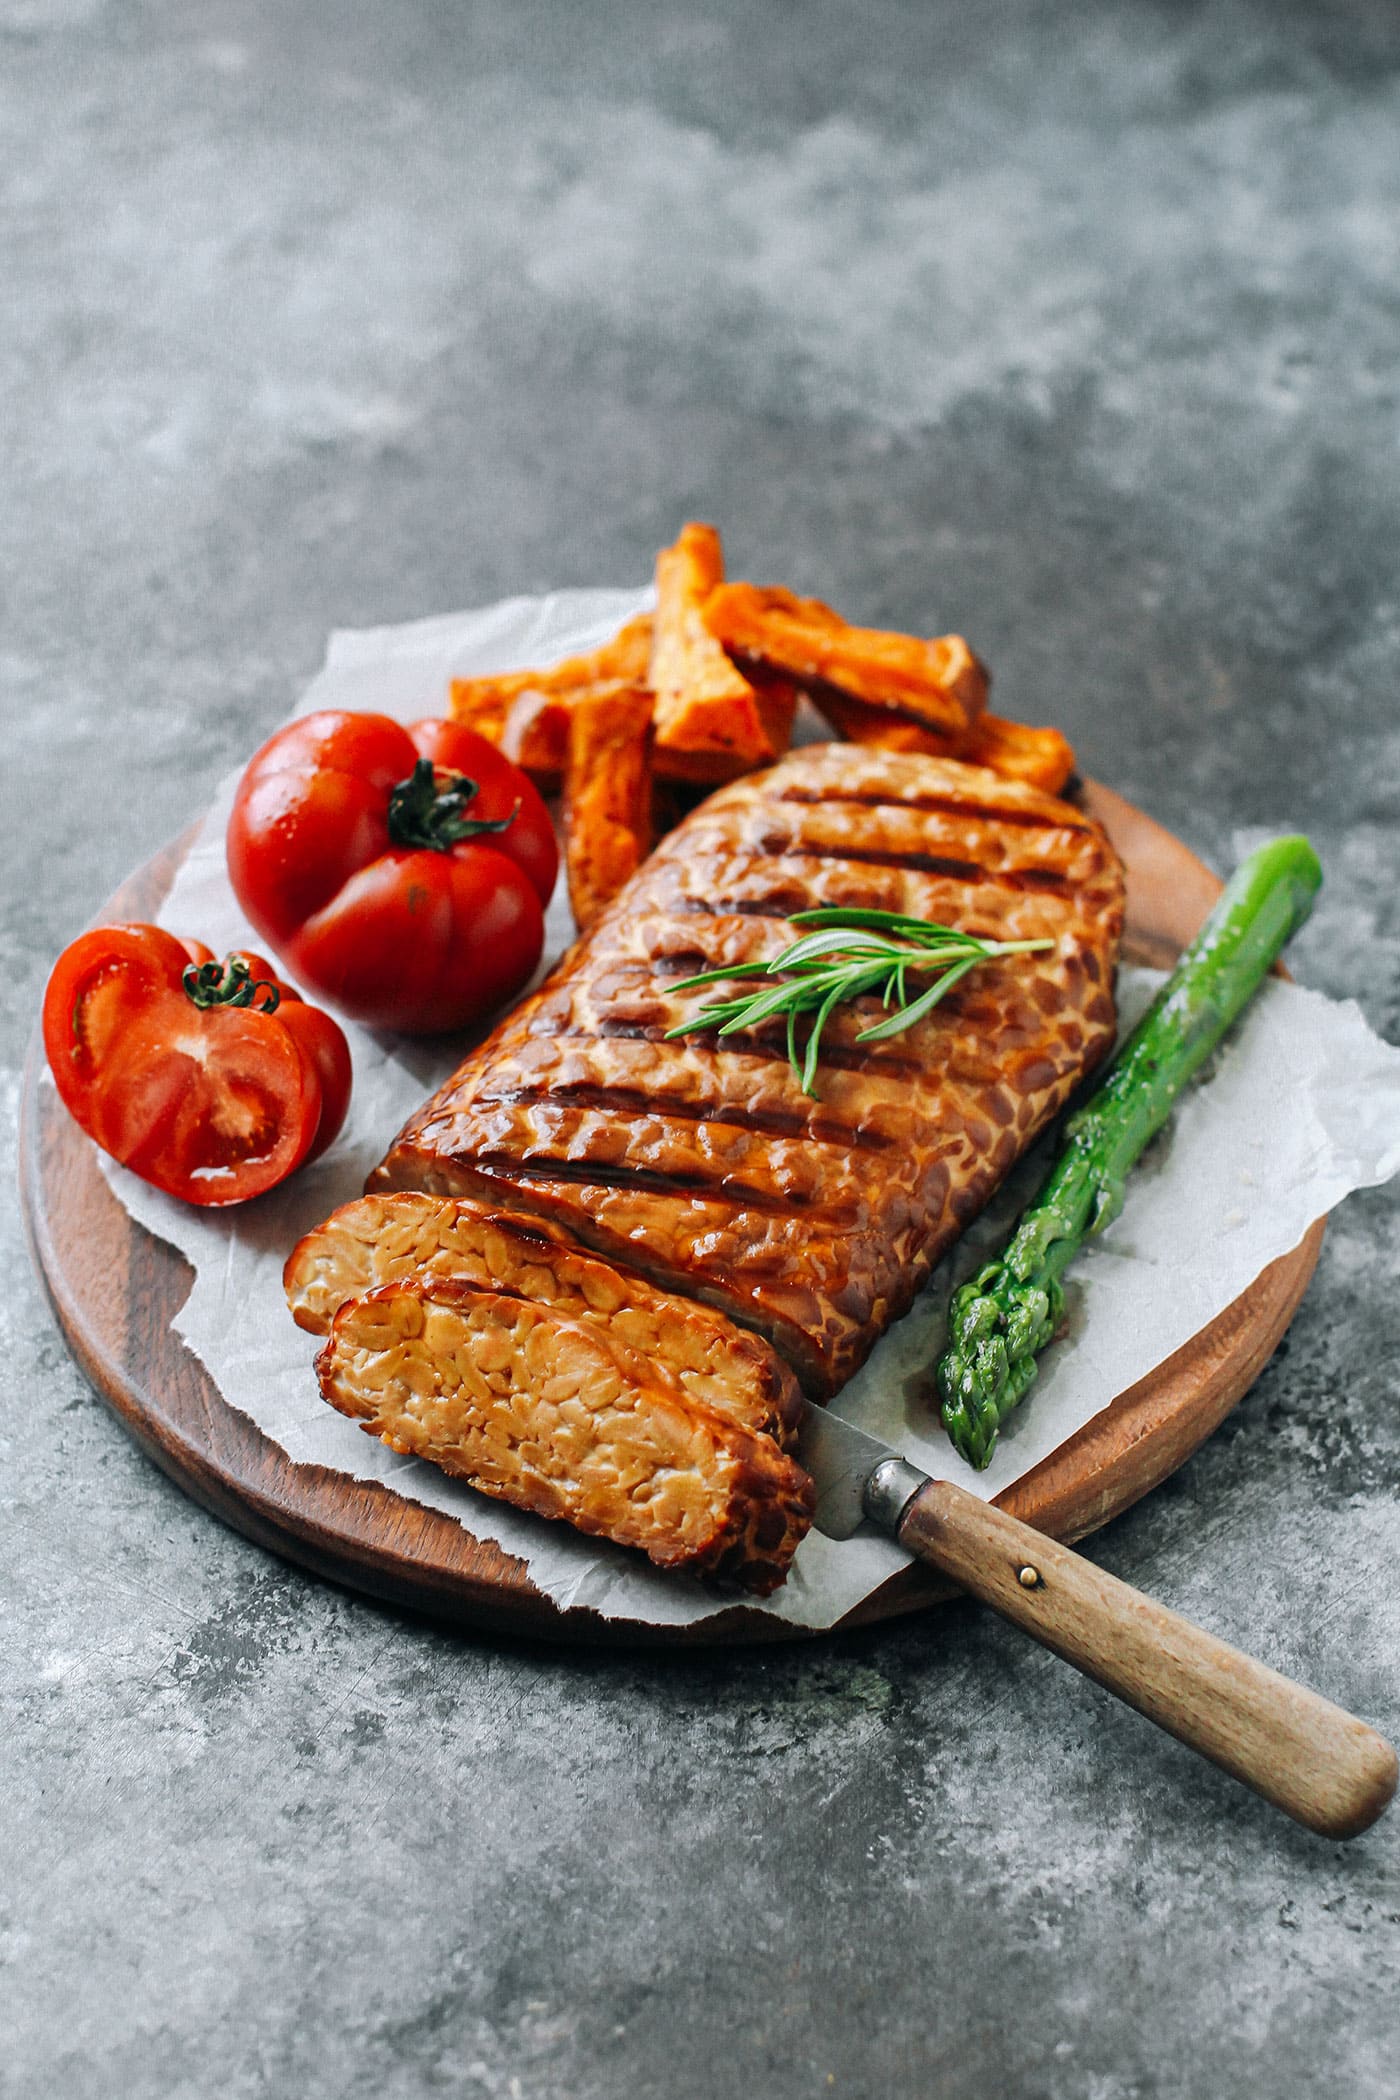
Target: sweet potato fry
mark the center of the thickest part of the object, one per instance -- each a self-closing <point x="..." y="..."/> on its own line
<point x="527" y="712"/>
<point x="484" y="703"/>
<point x="536" y="736"/>
<point x="1040" y="757"/>
<point x="776" y="698"/>
<point x="480" y="704"/>
<point x="535" y="733"/>
<point x="607" y="795"/>
<point x="940" y="683"/>
<point x="857" y="722"/>
<point x="703" y="704"/>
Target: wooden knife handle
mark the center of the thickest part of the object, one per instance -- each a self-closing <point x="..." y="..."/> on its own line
<point x="1318" y="1764"/>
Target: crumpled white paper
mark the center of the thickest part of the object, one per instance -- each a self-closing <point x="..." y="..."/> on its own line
<point x="1303" y="1106"/>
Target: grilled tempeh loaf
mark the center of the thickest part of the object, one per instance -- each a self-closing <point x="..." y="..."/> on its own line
<point x="560" y="1416"/>
<point x="441" y="1239"/>
<point x="700" y="1163"/>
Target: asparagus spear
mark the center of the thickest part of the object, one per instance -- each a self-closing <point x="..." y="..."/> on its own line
<point x="1001" y="1319"/>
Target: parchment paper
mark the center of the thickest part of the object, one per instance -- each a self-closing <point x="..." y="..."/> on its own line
<point x="1303" y="1106"/>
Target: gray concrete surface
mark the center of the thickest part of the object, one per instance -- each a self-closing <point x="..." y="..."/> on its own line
<point x="1074" y="326"/>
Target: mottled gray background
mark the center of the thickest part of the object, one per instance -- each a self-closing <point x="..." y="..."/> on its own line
<point x="1073" y="326"/>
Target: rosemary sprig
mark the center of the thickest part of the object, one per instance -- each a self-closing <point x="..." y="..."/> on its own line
<point x="851" y="955"/>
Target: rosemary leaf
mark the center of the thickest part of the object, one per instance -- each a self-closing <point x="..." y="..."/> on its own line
<point x="809" y="1063"/>
<point x="908" y="1015"/>
<point x="848" y="955"/>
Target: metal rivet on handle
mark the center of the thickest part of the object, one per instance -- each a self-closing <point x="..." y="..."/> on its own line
<point x="1030" y="1578"/>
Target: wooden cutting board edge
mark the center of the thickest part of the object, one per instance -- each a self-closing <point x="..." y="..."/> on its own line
<point x="115" y="1290"/>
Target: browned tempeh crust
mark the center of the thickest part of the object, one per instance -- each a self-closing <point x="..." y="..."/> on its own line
<point x="700" y="1163"/>
<point x="556" y="1414"/>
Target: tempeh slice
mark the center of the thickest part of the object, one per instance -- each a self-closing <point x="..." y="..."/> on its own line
<point x="435" y="1239"/>
<point x="554" y="1414"/>
<point x="940" y="682"/>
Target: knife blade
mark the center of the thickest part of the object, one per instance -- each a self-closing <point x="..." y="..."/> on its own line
<point x="844" y="1462"/>
<point x="1313" y="1760"/>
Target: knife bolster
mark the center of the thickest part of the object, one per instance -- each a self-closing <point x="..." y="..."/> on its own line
<point x="890" y="1490"/>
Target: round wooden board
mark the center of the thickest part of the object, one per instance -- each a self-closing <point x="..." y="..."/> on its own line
<point x="116" y="1289"/>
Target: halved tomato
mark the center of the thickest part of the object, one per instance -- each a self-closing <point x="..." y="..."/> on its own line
<point x="212" y="1081"/>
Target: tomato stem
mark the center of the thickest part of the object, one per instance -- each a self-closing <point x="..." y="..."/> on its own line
<point x="230" y="983"/>
<point x="429" y="809"/>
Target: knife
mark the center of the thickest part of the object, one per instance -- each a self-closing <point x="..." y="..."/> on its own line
<point x="1317" y="1763"/>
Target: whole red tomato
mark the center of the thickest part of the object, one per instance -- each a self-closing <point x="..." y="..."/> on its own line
<point x="212" y="1080"/>
<point x="400" y="873"/>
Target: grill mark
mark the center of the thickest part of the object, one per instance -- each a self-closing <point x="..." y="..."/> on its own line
<point x="774" y="1122"/>
<point x="647" y="1181"/>
<point x="936" y="805"/>
<point x="760" y="908"/>
<point x="778" y="908"/>
<point x="888" y="1066"/>
<point x="691" y="963"/>
<point x="925" y="864"/>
